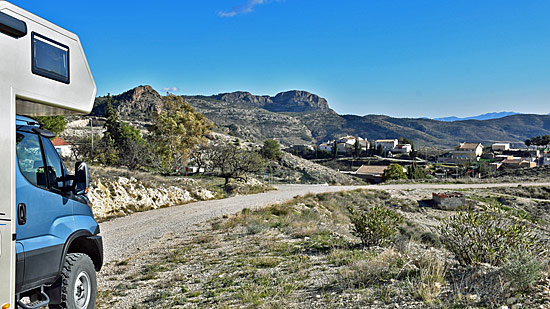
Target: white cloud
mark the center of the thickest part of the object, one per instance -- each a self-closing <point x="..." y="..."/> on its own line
<point x="245" y="8"/>
<point x="171" y="89"/>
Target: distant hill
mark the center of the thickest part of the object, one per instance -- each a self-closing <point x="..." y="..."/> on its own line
<point x="140" y="103"/>
<point x="299" y="117"/>
<point x="479" y="117"/>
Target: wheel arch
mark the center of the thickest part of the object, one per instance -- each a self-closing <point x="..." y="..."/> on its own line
<point x="83" y="241"/>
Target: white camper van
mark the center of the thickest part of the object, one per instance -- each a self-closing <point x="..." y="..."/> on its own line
<point x="43" y="71"/>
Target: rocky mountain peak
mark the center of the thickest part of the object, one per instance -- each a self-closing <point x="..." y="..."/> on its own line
<point x="289" y="101"/>
<point x="299" y="101"/>
<point x="142" y="98"/>
<point x="141" y="102"/>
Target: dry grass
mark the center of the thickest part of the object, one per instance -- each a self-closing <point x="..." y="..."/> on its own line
<point x="302" y="254"/>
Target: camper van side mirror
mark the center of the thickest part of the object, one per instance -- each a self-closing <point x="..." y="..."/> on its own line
<point x="81" y="178"/>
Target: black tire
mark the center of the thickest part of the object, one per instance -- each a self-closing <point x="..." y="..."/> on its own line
<point x="78" y="282"/>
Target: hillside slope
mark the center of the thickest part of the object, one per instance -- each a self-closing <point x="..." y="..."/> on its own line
<point x="299" y="117"/>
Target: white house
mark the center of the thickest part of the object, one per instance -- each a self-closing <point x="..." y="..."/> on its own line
<point x="63" y="148"/>
<point x="501" y="146"/>
<point x="467" y="151"/>
<point x="346" y="144"/>
<point x="402" y="148"/>
<point x="326" y="146"/>
<point x="387" y="144"/>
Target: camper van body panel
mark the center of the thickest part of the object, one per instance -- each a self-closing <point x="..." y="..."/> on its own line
<point x="26" y="93"/>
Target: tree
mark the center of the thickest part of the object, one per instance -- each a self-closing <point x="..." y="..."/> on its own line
<point x="271" y="150"/>
<point x="121" y="144"/>
<point x="56" y="124"/>
<point x="413" y="154"/>
<point x="484" y="168"/>
<point x="403" y="140"/>
<point x="537" y="141"/>
<point x="82" y="148"/>
<point x="334" y="150"/>
<point x="231" y="162"/>
<point x="527" y="143"/>
<point x="133" y="149"/>
<point x="394" y="172"/>
<point x="379" y="150"/>
<point x="357" y="149"/>
<point x="200" y="156"/>
<point x="108" y="152"/>
<point x="416" y="172"/>
<point x="112" y="125"/>
<point x="176" y="130"/>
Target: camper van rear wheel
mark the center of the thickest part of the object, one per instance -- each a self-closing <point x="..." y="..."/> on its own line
<point x="78" y="285"/>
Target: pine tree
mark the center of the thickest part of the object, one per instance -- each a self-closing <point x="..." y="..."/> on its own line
<point x="176" y="131"/>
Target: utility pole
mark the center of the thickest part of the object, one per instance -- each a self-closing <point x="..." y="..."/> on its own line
<point x="92" y="132"/>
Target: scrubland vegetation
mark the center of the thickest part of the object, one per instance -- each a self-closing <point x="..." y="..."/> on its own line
<point x="351" y="249"/>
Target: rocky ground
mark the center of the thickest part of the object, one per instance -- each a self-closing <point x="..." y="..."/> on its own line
<point x="116" y="192"/>
<point x="302" y="254"/>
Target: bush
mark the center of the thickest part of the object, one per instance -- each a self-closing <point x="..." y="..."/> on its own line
<point x="394" y="172"/>
<point x="431" y="239"/>
<point x="522" y="269"/>
<point x="485" y="237"/>
<point x="363" y="273"/>
<point x="375" y="226"/>
<point x="427" y="285"/>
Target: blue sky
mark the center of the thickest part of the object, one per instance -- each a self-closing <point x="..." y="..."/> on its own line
<point x="404" y="58"/>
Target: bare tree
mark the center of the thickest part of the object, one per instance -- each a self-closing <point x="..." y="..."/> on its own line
<point x="200" y="156"/>
<point x="231" y="162"/>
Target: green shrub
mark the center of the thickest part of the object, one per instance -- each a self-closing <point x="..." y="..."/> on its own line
<point x="431" y="239"/>
<point x="394" y="172"/>
<point x="487" y="237"/>
<point x="375" y="226"/>
<point x="522" y="269"/>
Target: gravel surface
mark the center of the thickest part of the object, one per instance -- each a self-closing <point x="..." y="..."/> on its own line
<point x="125" y="236"/>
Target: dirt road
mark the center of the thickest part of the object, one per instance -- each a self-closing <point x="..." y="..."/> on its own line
<point x="125" y="236"/>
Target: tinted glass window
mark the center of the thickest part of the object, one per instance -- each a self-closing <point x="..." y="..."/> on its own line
<point x="50" y="59"/>
<point x="29" y="156"/>
<point x="54" y="166"/>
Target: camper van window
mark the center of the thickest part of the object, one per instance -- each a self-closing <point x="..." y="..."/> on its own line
<point x="49" y="58"/>
<point x="54" y="167"/>
<point x="29" y="156"/>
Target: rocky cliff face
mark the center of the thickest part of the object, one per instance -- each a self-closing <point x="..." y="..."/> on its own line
<point x="139" y="103"/>
<point x="298" y="101"/>
<point x="245" y="98"/>
<point x="289" y="101"/>
<point x="143" y="98"/>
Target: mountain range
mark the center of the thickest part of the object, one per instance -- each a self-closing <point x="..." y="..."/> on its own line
<point x="487" y="116"/>
<point x="300" y="117"/>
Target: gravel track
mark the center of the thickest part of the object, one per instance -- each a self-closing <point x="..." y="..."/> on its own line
<point x="126" y="236"/>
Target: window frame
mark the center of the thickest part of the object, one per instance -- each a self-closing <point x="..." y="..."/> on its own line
<point x="48" y="74"/>
<point x="61" y="165"/>
<point x="48" y="186"/>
